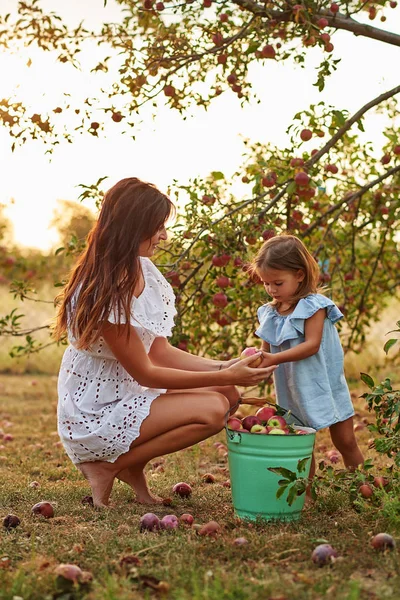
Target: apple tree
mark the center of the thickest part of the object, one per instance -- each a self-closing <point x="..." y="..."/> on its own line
<point x="327" y="186"/>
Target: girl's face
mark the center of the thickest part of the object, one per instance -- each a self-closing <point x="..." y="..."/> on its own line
<point x="281" y="285"/>
<point x="149" y="247"/>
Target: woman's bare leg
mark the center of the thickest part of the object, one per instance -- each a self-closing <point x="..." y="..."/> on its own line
<point x="134" y="476"/>
<point x="176" y="421"/>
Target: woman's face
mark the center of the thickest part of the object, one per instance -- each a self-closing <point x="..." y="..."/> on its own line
<point x="149" y="247"/>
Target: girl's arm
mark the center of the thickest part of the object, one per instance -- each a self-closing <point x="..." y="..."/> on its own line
<point x="133" y="357"/>
<point x="313" y="334"/>
<point x="163" y="354"/>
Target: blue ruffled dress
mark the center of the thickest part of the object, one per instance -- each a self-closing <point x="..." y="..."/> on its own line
<point x="314" y="388"/>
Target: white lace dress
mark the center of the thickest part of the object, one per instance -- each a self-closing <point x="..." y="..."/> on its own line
<point x="100" y="406"/>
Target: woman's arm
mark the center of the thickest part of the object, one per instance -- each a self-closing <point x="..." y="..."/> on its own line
<point x="313" y="334"/>
<point x="133" y="357"/>
<point x="163" y="354"/>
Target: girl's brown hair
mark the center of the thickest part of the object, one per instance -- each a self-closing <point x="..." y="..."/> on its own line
<point x="105" y="275"/>
<point x="288" y="253"/>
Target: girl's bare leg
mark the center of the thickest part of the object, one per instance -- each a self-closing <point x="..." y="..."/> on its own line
<point x="344" y="440"/>
<point x="176" y="421"/>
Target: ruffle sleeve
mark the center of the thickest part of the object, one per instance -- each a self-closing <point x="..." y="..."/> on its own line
<point x="276" y="329"/>
<point x="154" y="309"/>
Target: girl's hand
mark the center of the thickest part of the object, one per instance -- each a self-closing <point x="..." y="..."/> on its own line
<point x="268" y="360"/>
<point x="241" y="373"/>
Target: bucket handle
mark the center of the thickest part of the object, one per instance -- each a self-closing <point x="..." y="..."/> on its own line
<point x="254" y="402"/>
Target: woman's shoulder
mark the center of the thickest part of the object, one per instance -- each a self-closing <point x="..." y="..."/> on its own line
<point x="308" y="306"/>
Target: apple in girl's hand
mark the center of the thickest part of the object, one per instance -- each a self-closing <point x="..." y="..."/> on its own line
<point x="235" y="424"/>
<point x="265" y="413"/>
<point x="258" y="429"/>
<point x="277" y="422"/>
<point x="249" y="421"/>
<point x="249" y="352"/>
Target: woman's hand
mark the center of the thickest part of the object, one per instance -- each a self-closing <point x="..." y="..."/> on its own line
<point x="241" y="373"/>
<point x="225" y="364"/>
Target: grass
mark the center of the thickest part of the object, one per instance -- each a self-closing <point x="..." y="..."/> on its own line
<point x="274" y="565"/>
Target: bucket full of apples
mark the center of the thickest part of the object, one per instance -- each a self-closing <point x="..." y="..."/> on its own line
<point x="269" y="456"/>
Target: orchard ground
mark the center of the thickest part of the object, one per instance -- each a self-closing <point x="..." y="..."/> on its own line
<point x="126" y="564"/>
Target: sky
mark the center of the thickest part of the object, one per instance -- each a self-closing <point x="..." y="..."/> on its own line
<point x="169" y="147"/>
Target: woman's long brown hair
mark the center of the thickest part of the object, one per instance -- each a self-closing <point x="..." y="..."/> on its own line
<point x="105" y="275"/>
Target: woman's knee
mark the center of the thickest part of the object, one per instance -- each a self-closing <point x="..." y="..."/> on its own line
<point x="216" y="409"/>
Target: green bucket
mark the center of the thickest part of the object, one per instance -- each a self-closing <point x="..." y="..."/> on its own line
<point x="253" y="486"/>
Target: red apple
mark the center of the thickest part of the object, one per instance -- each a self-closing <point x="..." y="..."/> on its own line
<point x="248" y="422"/>
<point x="219" y="299"/>
<point x="149" y="522"/>
<point x="223" y="282"/>
<point x="169" y="522"/>
<point x="380" y="482"/>
<point x="277" y="422"/>
<point x="44" y="509"/>
<point x="383" y="541"/>
<point x="306" y="135"/>
<point x="234" y="424"/>
<point x="187" y="519"/>
<point x="366" y="490"/>
<point x="210" y="529"/>
<point x="323" y="554"/>
<point x="250" y="351"/>
<point x="265" y="413"/>
<point x="70" y="572"/>
<point x="301" y="178"/>
<point x="182" y="489"/>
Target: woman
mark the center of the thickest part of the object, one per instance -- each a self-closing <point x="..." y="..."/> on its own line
<point x="125" y="394"/>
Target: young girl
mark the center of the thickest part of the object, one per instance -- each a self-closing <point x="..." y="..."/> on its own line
<point x="299" y="334"/>
<point x="125" y="394"/>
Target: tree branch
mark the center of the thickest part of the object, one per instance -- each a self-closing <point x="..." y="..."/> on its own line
<point x="338" y="21"/>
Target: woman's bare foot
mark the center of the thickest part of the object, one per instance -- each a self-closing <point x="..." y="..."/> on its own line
<point x="100" y="476"/>
<point x="136" y="479"/>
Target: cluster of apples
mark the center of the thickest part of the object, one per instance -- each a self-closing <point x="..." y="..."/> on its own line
<point x="265" y="421"/>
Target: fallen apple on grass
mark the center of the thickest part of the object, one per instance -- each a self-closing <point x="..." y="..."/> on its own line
<point x="169" y="522"/>
<point x="182" y="489"/>
<point x="210" y="529"/>
<point x="187" y="519"/>
<point x="323" y="554"/>
<point x="382" y="542"/>
<point x="43" y="509"/>
<point x="11" y="521"/>
<point x="149" y="522"/>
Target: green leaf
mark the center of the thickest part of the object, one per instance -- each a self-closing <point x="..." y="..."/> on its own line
<point x="281" y="491"/>
<point x="292" y="495"/>
<point x="291" y="188"/>
<point x="388" y="345"/>
<point x="284" y="472"/>
<point x="216" y="175"/>
<point x="367" y="379"/>
<point x="301" y="465"/>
